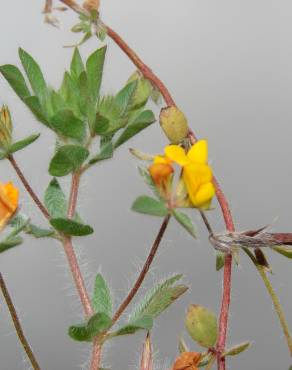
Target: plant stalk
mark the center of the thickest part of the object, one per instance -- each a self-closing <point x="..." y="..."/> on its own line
<point x="17" y="324"/>
<point x="274" y="298"/>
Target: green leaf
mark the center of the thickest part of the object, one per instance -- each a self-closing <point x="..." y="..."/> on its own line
<point x="201" y="324"/>
<point x="77" y="66"/>
<point x="144" y="323"/>
<point x="16" y="80"/>
<point x="101" y="125"/>
<point x="10" y="243"/>
<point x="106" y="152"/>
<point x="284" y="250"/>
<point x="185" y="221"/>
<point x="143" y="90"/>
<point x="144" y="120"/>
<point x="34" y="74"/>
<point x="102" y="301"/>
<point x="88" y="331"/>
<point x="55" y="200"/>
<point x="220" y="260"/>
<point x="68" y="125"/>
<point x="22" y="143"/>
<point x="236" y="350"/>
<point x="68" y="158"/>
<point x="159" y="298"/>
<point x="70" y="93"/>
<point x="71" y="227"/>
<point x="125" y="98"/>
<point x="149" y="206"/>
<point x="94" y="69"/>
<point x="33" y="103"/>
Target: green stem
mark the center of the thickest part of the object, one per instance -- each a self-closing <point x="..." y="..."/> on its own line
<point x="274" y="298"/>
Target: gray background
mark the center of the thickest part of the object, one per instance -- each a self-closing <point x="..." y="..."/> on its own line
<point x="228" y="65"/>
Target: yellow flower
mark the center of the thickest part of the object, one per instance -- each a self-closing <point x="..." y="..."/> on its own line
<point x="197" y="175"/>
<point x="8" y="202"/>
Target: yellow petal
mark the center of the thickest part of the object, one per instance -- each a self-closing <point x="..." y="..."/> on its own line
<point x="194" y="176"/>
<point x="176" y="154"/>
<point x="204" y="195"/>
<point x="160" y="159"/>
<point x="199" y="152"/>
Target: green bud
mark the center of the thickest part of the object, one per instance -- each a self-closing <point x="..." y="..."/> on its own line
<point x="201" y="324"/>
<point x="5" y="127"/>
<point x="174" y="124"/>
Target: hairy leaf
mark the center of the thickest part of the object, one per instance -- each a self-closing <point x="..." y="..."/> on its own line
<point x="102" y="301"/>
<point x="16" y="80"/>
<point x="22" y="143"/>
<point x="185" y="221"/>
<point x="71" y="227"/>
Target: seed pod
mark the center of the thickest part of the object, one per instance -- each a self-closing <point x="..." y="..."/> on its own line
<point x="91" y="5"/>
<point x="174" y="124"/>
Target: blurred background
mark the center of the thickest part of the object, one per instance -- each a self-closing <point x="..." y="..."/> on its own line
<point x="229" y="66"/>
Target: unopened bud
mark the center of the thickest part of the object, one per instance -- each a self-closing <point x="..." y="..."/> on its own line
<point x="160" y="173"/>
<point x="5" y="126"/>
<point x="174" y="124"/>
<point x="91" y="5"/>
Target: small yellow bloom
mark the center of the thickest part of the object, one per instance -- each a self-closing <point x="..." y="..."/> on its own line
<point x="197" y="175"/>
<point x="8" y="202"/>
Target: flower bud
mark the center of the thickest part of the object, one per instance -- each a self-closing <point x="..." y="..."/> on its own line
<point x="91" y="5"/>
<point x="174" y="124"/>
<point x="5" y="127"/>
<point x="187" y="361"/>
<point x="160" y="173"/>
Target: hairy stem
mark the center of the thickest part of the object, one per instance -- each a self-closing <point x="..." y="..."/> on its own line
<point x="274" y="298"/>
<point x="17" y="324"/>
<point x="144" y="270"/>
<point x="27" y="186"/>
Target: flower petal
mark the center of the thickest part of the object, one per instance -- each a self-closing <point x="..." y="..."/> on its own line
<point x="161" y="159"/>
<point x="176" y="154"/>
<point x="195" y="175"/>
<point x="204" y="195"/>
<point x="199" y="152"/>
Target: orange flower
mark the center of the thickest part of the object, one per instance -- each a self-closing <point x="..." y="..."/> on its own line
<point x="187" y="361"/>
<point x="8" y="202"/>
